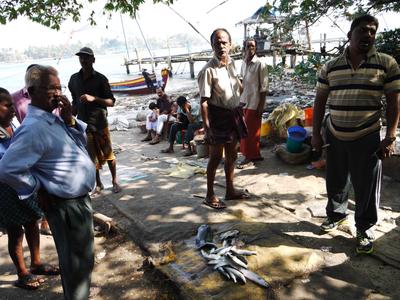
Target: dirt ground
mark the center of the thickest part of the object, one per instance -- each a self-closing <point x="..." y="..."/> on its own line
<point x="156" y="211"/>
<point x="121" y="269"/>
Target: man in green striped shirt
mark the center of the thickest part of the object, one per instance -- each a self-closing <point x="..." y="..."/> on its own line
<point x="352" y="86"/>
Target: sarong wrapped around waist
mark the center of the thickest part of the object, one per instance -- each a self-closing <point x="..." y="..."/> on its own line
<point x="226" y="125"/>
<point x="15" y="212"/>
<point x="99" y="146"/>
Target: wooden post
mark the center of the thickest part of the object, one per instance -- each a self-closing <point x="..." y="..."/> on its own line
<point x="169" y="58"/>
<point x="191" y="65"/>
<point x="139" y="60"/>
<point x="293" y="60"/>
<point x="308" y="36"/>
<point x="274" y="58"/>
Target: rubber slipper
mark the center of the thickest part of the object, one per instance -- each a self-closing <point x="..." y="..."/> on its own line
<point x="116" y="188"/>
<point x="215" y="205"/>
<point x="188" y="153"/>
<point x="27" y="282"/>
<point x="240" y="195"/>
<point x="45" y="269"/>
<point x="245" y="164"/>
<point x="167" y="151"/>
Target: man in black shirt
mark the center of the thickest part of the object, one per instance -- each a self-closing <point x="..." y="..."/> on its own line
<point x="91" y="96"/>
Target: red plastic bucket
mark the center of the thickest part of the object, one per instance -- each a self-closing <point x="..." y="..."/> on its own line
<point x="308" y="116"/>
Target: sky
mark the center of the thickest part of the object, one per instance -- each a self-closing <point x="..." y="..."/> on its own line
<point x="158" y="20"/>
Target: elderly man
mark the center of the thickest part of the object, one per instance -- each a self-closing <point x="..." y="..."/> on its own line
<point x="223" y="122"/>
<point x="48" y="157"/>
<point x="91" y="96"/>
<point x="255" y="86"/>
<point x="21" y="101"/>
<point x="353" y="85"/>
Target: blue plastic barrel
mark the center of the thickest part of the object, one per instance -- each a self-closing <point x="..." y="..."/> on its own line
<point x="296" y="137"/>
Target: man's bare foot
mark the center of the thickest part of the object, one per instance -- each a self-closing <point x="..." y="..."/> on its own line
<point x="237" y="195"/>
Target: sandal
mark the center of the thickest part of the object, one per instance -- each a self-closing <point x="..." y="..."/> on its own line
<point x="239" y="195"/>
<point x="245" y="164"/>
<point x="45" y="269"/>
<point x="216" y="204"/>
<point x="168" y="150"/>
<point x="28" y="282"/>
<point x="188" y="153"/>
<point x="116" y="188"/>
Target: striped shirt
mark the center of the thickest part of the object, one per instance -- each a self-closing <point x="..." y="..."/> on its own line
<point x="355" y="96"/>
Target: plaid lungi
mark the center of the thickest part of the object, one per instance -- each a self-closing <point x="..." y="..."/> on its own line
<point x="16" y="212"/>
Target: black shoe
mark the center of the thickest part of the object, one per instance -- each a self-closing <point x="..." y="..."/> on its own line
<point x="364" y="242"/>
<point x="329" y="224"/>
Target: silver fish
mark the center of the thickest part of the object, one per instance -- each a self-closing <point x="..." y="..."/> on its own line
<point x="223" y="272"/>
<point x="236" y="261"/>
<point x="254" y="277"/>
<point x="229" y="234"/>
<point x="237" y="273"/>
<point x="231" y="274"/>
<point x="209" y="255"/>
<point x="222" y="263"/>
<point x="242" y="251"/>
<point x="223" y="250"/>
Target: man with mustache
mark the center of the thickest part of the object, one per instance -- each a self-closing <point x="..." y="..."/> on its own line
<point x="48" y="157"/>
<point x="223" y="122"/>
<point x="352" y="85"/>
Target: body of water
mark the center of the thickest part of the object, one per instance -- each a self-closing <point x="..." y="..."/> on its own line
<point x="111" y="65"/>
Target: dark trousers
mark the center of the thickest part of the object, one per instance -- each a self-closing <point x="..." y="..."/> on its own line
<point x="189" y="135"/>
<point x="71" y="222"/>
<point x="355" y="162"/>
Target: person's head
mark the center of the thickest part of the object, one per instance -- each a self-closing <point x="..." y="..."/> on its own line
<point x="181" y="101"/>
<point x="221" y="44"/>
<point x="7" y="110"/>
<point x="362" y="33"/>
<point x="43" y="86"/>
<point x="159" y="92"/>
<point x="250" y="47"/>
<point x="153" y="105"/>
<point x="86" y="58"/>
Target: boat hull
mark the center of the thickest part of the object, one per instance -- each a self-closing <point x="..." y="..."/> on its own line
<point x="138" y="85"/>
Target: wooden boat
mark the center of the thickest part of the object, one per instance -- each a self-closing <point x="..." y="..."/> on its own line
<point x="138" y="85"/>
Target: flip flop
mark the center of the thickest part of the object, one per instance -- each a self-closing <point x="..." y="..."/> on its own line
<point x="215" y="205"/>
<point x="245" y="164"/>
<point x="27" y="282"/>
<point x="116" y="188"/>
<point x="240" y="195"/>
<point x="167" y="151"/>
<point x="45" y="269"/>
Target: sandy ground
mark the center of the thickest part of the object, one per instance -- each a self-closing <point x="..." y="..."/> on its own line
<point x="156" y="211"/>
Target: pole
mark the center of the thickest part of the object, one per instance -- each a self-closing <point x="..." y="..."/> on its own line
<point x="126" y="43"/>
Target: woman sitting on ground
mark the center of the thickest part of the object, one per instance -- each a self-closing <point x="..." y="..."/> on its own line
<point x="18" y="215"/>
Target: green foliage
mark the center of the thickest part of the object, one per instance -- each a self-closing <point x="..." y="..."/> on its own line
<point x="298" y="11"/>
<point x="307" y="70"/>
<point x="389" y="42"/>
<point x="52" y="13"/>
<point x="278" y="71"/>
